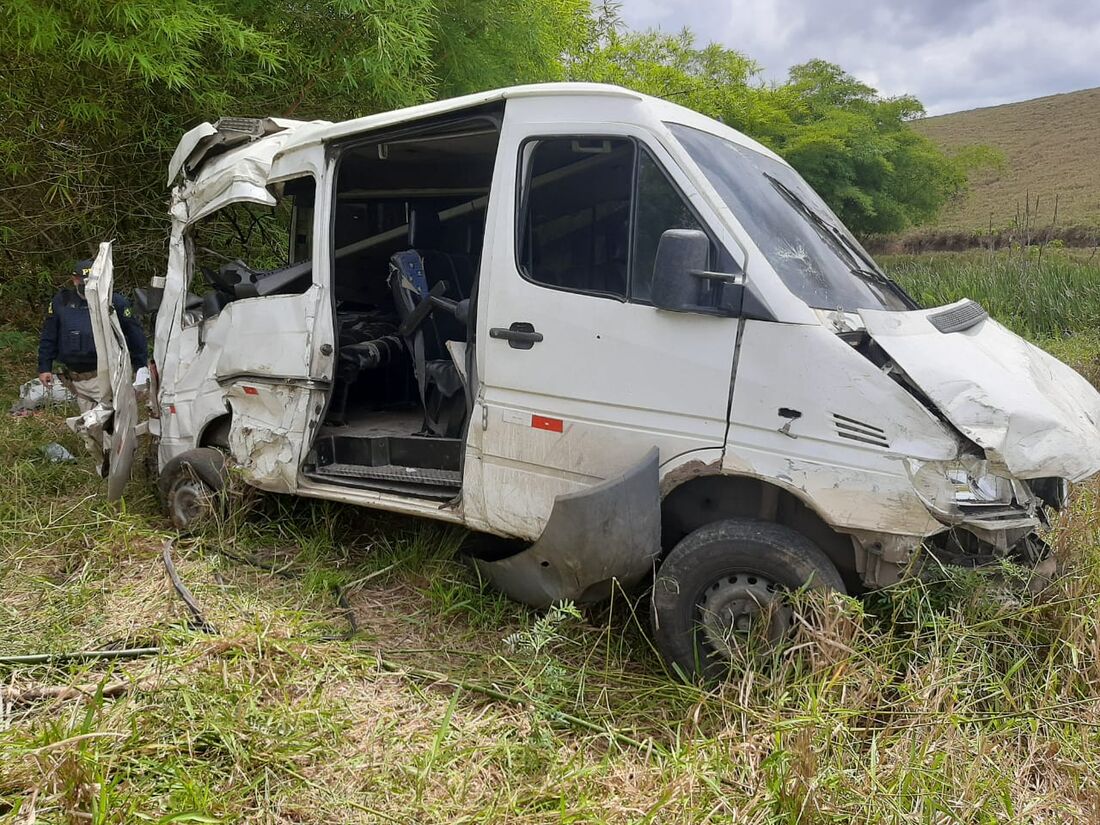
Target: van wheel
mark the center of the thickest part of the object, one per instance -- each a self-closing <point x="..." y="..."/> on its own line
<point x="724" y="588"/>
<point x="191" y="483"/>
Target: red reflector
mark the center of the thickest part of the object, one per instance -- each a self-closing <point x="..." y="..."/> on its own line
<point x="171" y="409"/>
<point x="251" y="391"/>
<point x="541" y="422"/>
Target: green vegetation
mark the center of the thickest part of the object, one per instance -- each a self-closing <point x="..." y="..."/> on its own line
<point x="1049" y="148"/>
<point x="964" y="697"/>
<point x="959" y="699"/>
<point x="1040" y="294"/>
<point x="97" y="93"/>
<point x="853" y="146"/>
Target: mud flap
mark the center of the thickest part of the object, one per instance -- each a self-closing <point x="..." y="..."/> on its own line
<point x="606" y="533"/>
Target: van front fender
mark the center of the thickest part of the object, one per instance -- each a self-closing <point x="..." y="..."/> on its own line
<point x="594" y="537"/>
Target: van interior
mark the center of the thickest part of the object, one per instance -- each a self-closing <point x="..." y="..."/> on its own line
<point x="408" y="227"/>
<point x="407" y="234"/>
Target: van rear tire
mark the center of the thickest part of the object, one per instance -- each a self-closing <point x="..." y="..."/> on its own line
<point x="191" y="484"/>
<point x="727" y="581"/>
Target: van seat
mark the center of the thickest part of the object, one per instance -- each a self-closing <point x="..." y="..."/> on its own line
<point x="456" y="269"/>
<point x="437" y="378"/>
<point x="367" y="341"/>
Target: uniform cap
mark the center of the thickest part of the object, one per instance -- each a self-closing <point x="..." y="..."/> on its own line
<point x="81" y="269"/>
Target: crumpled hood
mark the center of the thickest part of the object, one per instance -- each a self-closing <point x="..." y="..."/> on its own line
<point x="1025" y="408"/>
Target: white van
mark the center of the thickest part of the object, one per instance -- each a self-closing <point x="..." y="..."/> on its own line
<point x="618" y="333"/>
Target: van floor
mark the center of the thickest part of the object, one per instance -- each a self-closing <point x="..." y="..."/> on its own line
<point x="347" y="455"/>
<point x="374" y="423"/>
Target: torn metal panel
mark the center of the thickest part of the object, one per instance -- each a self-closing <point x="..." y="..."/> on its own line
<point x="110" y="429"/>
<point x="207" y="140"/>
<point x="265" y="438"/>
<point x="606" y="533"/>
<point x="1031" y="413"/>
<point x="186" y="146"/>
<point x="240" y="174"/>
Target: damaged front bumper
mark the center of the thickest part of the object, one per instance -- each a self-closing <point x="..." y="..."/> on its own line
<point x="882" y="560"/>
<point x="986" y="516"/>
<point x="977" y="495"/>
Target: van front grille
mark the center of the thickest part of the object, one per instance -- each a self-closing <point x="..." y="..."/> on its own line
<point x="860" y="431"/>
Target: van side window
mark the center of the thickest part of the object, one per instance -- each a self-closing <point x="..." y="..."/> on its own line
<point x="243" y="240"/>
<point x="660" y="207"/>
<point x="576" y="229"/>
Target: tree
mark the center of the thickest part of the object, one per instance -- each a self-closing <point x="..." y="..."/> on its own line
<point x="852" y="145"/>
<point x="96" y="94"/>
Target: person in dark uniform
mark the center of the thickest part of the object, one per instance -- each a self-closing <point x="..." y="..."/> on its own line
<point x="67" y="338"/>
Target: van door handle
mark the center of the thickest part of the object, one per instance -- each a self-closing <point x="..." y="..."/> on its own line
<point x="520" y="335"/>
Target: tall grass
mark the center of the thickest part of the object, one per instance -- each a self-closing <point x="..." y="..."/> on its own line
<point x="960" y="698"/>
<point x="964" y="697"/>
<point x="1038" y="296"/>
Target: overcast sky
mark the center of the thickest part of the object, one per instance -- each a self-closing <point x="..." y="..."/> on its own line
<point x="951" y="54"/>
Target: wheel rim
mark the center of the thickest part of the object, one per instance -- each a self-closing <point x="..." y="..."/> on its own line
<point x="741" y="609"/>
<point x="190" y="503"/>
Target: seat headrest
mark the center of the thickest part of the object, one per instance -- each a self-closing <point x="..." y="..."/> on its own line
<point x="425" y="228"/>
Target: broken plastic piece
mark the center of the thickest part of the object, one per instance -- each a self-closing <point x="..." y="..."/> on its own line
<point x="57" y="454"/>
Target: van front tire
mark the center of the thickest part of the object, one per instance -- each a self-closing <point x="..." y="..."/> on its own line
<point x="727" y="584"/>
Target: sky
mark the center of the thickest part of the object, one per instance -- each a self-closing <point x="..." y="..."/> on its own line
<point x="952" y="54"/>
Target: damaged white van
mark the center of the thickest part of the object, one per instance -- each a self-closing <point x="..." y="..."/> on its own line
<point x="621" y="334"/>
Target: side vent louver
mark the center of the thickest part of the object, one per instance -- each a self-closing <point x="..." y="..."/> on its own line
<point x="859" y="431"/>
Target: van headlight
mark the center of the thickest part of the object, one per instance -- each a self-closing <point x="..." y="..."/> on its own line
<point x="976" y="485"/>
<point x="948" y="487"/>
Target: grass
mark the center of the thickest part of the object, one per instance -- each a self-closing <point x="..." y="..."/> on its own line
<point x="1047" y="145"/>
<point x="1041" y="296"/>
<point x="960" y="698"/>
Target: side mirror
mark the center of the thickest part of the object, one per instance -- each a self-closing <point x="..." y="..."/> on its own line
<point x="682" y="282"/>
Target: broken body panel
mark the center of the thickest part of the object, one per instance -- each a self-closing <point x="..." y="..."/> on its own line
<point x="585" y="408"/>
<point x="111" y="428"/>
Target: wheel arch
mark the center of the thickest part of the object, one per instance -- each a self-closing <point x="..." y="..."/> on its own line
<point x="215" y="431"/>
<point x="706" y="498"/>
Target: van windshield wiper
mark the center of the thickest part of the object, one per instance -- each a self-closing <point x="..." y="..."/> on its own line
<point x="831" y="233"/>
<point x="858" y="264"/>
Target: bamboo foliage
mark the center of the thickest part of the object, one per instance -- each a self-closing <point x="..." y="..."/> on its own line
<point x="96" y="93"/>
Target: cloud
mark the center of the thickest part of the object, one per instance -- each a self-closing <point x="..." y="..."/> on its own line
<point x="951" y="54"/>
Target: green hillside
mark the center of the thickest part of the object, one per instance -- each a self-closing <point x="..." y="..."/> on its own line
<point x="1051" y="148"/>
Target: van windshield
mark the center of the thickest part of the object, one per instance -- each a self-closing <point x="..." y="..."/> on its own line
<point x="814" y="254"/>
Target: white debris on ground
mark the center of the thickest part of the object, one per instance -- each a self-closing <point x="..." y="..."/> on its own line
<point x="34" y="395"/>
